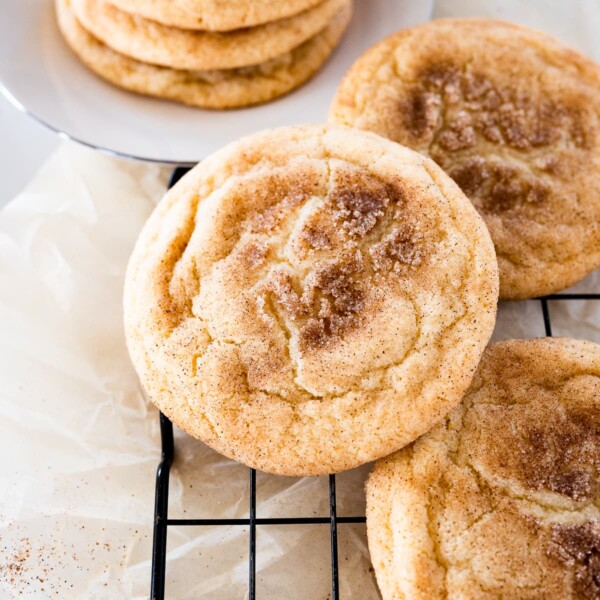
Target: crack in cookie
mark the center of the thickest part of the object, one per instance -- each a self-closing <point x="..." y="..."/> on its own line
<point x="307" y="291"/>
<point x="510" y="482"/>
<point x="513" y="117"/>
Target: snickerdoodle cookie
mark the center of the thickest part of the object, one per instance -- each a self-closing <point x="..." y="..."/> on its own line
<point x="513" y="116"/>
<point x="214" y="15"/>
<point x="310" y="298"/>
<point x="501" y="500"/>
<point x="157" y="44"/>
<point x="217" y="89"/>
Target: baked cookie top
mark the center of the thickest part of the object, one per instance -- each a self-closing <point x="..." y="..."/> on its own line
<point x="309" y="299"/>
<point x="215" y="89"/>
<point x="502" y="499"/>
<point x="512" y="115"/>
<point x="214" y="15"/>
<point x="157" y="44"/>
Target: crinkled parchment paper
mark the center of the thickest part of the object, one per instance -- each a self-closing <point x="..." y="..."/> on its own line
<point x="79" y="444"/>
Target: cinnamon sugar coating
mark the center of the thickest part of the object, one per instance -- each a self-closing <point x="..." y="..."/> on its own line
<point x="512" y="115"/>
<point x="501" y="500"/>
<point x="310" y="298"/>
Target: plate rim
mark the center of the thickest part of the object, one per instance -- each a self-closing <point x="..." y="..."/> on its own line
<point x="65" y="135"/>
<point x="68" y="136"/>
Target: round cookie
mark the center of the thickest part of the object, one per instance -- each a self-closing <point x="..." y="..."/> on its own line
<point x="218" y="89"/>
<point x="501" y="500"/>
<point x="514" y="117"/>
<point x="214" y="15"/>
<point x="309" y="299"/>
<point x="157" y="44"/>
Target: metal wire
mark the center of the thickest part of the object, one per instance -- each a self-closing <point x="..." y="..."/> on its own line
<point x="546" y="316"/>
<point x="252" y="521"/>
<point x="161" y="510"/>
<point x="335" y="586"/>
<point x="162" y="522"/>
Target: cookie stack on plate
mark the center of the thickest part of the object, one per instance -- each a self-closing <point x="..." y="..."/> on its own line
<point x="201" y="53"/>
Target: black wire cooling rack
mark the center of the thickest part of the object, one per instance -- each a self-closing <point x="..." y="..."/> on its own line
<point x="161" y="509"/>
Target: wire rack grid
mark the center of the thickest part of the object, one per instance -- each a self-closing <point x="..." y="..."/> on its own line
<point x="161" y="510"/>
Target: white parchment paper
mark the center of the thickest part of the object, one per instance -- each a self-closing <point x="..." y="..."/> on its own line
<point x="79" y="444"/>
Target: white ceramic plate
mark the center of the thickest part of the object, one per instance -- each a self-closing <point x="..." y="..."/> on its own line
<point x="42" y="77"/>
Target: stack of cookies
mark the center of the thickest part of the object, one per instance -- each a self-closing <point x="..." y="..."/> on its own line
<point x="201" y="53"/>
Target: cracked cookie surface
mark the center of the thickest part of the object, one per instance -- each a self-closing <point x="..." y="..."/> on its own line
<point x="216" y="89"/>
<point x="309" y="299"/>
<point x="502" y="500"/>
<point x="512" y="116"/>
